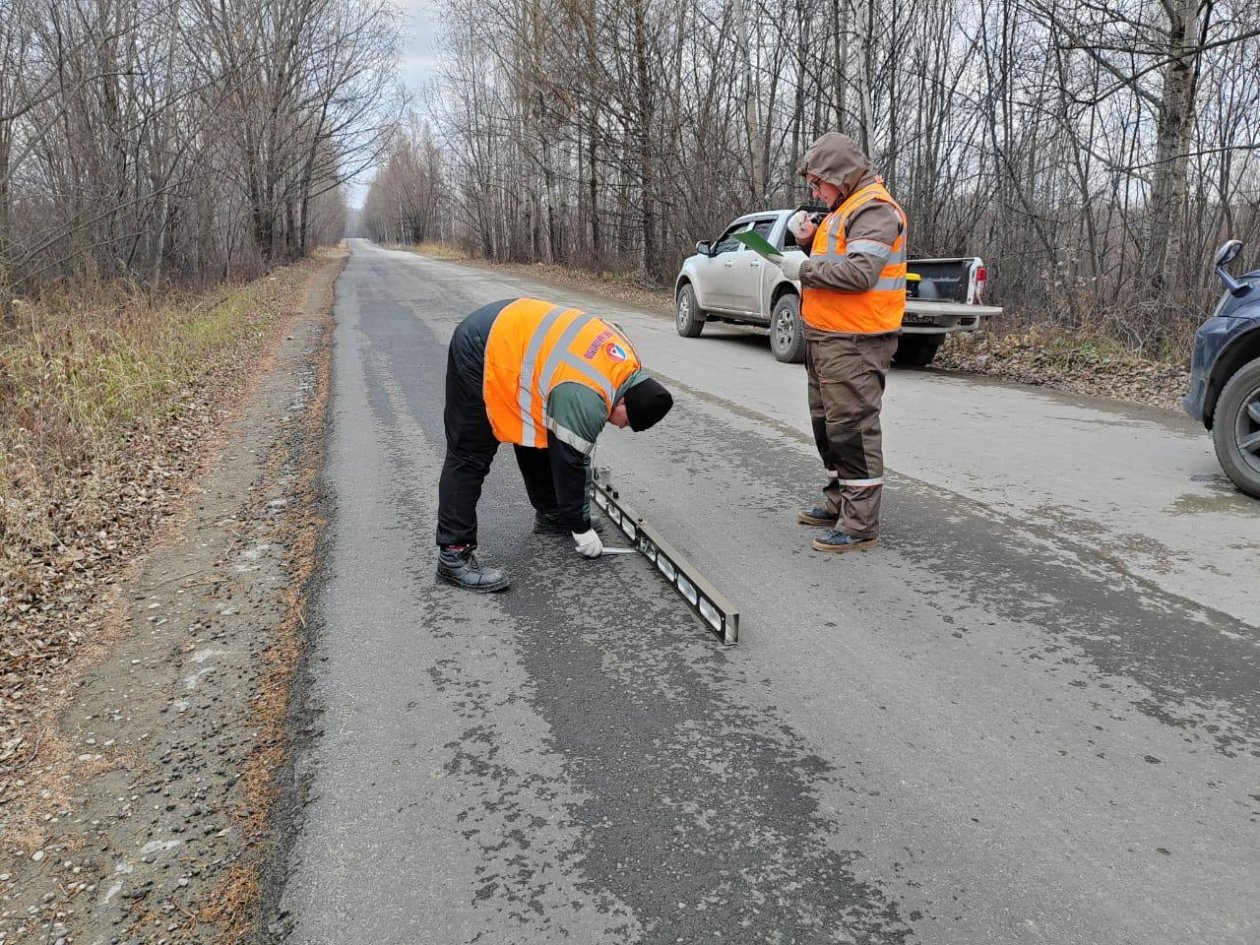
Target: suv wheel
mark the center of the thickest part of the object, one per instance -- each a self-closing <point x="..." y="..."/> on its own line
<point x="688" y="319"/>
<point x="1236" y="428"/>
<point x="787" y="336"/>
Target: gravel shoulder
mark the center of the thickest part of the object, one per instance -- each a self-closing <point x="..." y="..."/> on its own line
<point x="144" y="814"/>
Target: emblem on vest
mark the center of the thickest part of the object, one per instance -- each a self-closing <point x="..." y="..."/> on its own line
<point x="615" y="351"/>
<point x="603" y="336"/>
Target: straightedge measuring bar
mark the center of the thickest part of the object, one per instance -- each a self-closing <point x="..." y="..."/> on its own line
<point x="714" y="610"/>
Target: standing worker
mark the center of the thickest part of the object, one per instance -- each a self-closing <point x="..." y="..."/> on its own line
<point x="853" y="297"/>
<point x="546" y="379"/>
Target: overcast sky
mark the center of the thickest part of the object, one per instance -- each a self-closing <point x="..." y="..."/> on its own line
<point x="418" y="57"/>
<point x="419" y="46"/>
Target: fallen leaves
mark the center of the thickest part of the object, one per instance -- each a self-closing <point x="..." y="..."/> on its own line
<point x="1062" y="363"/>
<point x="69" y="531"/>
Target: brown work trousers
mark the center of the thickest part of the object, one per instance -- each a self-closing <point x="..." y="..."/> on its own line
<point x="846" y="391"/>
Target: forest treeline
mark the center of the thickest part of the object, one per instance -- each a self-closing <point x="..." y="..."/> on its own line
<point x="185" y="141"/>
<point x="1093" y="153"/>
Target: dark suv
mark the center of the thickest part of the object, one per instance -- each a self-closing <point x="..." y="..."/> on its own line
<point x="1225" y="374"/>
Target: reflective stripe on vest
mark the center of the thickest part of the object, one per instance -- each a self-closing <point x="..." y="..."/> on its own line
<point x="877" y="310"/>
<point x="534" y="346"/>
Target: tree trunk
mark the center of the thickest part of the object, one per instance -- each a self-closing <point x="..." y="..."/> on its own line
<point x="840" y="13"/>
<point x="593" y="179"/>
<point x="1174" y="129"/>
<point x="647" y="160"/>
<point x="756" y="175"/>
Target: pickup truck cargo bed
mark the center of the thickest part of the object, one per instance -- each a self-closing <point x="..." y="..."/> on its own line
<point x="728" y="282"/>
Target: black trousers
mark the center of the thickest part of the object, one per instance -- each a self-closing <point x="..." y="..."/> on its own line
<point x="470" y="441"/>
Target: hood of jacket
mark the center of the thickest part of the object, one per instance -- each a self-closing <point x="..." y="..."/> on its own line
<point x="837" y="159"/>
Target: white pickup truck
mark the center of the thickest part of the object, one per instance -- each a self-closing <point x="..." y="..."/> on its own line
<point x="727" y="282"/>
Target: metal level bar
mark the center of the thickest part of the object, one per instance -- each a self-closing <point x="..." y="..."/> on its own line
<point x="713" y="609"/>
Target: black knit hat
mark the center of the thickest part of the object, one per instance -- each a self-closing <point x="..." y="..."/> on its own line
<point x="646" y="403"/>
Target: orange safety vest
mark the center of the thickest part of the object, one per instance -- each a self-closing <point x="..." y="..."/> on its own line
<point x="873" y="312"/>
<point x="535" y="345"/>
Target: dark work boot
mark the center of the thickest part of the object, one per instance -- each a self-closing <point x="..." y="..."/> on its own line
<point x="818" y="515"/>
<point x="550" y="523"/>
<point x="838" y="542"/>
<point x="462" y="569"/>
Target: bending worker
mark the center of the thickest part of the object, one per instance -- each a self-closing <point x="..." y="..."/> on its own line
<point x="546" y="379"/>
<point x="853" y="297"/>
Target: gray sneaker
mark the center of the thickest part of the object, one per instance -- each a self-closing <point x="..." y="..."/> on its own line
<point x="818" y="515"/>
<point x="839" y="542"/>
<point x="462" y="569"/>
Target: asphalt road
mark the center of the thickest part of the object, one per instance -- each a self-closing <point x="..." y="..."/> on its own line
<point x="1031" y="715"/>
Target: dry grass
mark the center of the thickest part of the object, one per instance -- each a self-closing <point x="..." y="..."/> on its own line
<point x="234" y="900"/>
<point x="83" y="378"/>
<point x="440" y="250"/>
<point x="432" y="249"/>
<point x="1083" y="363"/>
<point x="108" y="402"/>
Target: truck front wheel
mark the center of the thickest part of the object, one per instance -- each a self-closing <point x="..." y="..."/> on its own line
<point x="917" y="350"/>
<point x="688" y="317"/>
<point x="1236" y="428"/>
<point x="787" y="336"/>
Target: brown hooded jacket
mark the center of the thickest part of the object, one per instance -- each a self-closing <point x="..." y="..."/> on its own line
<point x="837" y="159"/>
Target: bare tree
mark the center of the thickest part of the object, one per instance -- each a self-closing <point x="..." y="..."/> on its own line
<point x="143" y="138"/>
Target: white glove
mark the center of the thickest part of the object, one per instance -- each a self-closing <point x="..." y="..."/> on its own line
<point x="790" y="263"/>
<point x="588" y="544"/>
<point x="801" y="226"/>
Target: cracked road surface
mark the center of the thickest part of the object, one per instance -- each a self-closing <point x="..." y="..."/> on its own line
<point x="1030" y="715"/>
